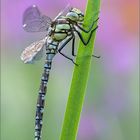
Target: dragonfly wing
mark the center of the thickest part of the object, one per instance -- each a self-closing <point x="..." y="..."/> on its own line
<point x="33" y="52"/>
<point x="39" y="55"/>
<point x="63" y="12"/>
<point x="34" y="21"/>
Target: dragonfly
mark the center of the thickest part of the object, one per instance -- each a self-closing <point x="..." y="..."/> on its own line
<point x="59" y="32"/>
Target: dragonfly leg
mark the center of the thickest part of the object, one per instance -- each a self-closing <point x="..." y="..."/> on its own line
<point x="65" y="43"/>
<point x="84" y="42"/>
<point x="90" y="28"/>
<point x="73" y="46"/>
<point x="96" y="56"/>
<point x="68" y="58"/>
<point x="62" y="46"/>
<point x="81" y="37"/>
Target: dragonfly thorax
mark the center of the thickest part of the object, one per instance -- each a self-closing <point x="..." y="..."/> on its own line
<point x="61" y="29"/>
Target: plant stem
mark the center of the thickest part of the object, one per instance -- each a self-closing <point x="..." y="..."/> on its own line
<point x="80" y="77"/>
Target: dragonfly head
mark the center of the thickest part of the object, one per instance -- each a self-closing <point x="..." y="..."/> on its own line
<point x="75" y="15"/>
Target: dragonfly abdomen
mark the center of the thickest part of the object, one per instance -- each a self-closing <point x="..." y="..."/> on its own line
<point x="40" y="104"/>
<point x="50" y="53"/>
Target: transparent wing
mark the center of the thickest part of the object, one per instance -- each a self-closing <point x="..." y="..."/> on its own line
<point x="33" y="21"/>
<point x="63" y="12"/>
<point x="33" y="52"/>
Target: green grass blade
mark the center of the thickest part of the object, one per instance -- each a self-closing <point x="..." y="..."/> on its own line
<point x="80" y="77"/>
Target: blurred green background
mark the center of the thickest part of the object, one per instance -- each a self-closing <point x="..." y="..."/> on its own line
<point x="111" y="107"/>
